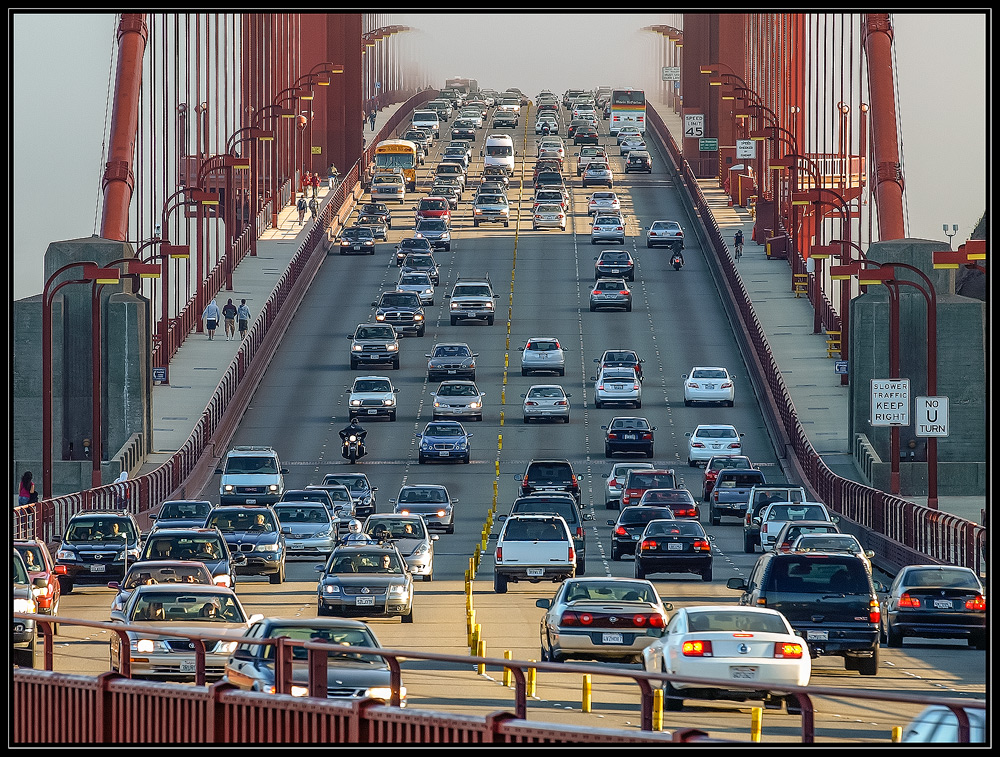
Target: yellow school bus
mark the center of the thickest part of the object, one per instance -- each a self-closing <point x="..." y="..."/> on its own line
<point x="398" y="153"/>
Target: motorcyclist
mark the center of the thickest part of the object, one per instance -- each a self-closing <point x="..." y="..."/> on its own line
<point x="355" y="535"/>
<point x="355" y="429"/>
<point x="677" y="256"/>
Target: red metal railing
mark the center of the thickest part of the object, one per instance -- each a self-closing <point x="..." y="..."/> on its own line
<point x="918" y="531"/>
<point x="122" y="710"/>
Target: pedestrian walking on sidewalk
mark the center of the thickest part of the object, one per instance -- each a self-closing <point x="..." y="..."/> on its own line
<point x="211" y="316"/>
<point x="371" y="119"/>
<point x="302" y="206"/>
<point x="243" y="316"/>
<point x="332" y="177"/>
<point x="315" y="184"/>
<point x="229" y="313"/>
<point x="314" y="208"/>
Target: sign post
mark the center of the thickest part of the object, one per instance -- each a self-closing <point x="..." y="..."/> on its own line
<point x="890" y="402"/>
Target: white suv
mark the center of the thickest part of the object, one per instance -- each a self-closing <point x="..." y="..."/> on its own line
<point x="251" y="476"/>
<point x="372" y="396"/>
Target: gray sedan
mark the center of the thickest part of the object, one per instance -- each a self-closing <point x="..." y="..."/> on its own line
<point x="611" y="293"/>
<point x="598" y="173"/>
<point x="546" y="401"/>
<point x="458" y="399"/>
<point x="608" y="229"/>
<point x="618" y="386"/>
<point x="308" y="528"/>
<point x="431" y="502"/>
<point x="543" y="354"/>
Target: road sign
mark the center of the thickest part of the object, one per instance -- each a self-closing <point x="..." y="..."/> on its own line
<point x="931" y="416"/>
<point x="159" y="374"/>
<point x="708" y="144"/>
<point x="670" y="73"/>
<point x="890" y="402"/>
<point x="694" y="125"/>
<point x="746" y="149"/>
<point x="840" y="366"/>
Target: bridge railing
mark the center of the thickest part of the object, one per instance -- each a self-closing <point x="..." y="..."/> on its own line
<point x="47" y="519"/>
<point x="109" y="706"/>
<point x="920" y="532"/>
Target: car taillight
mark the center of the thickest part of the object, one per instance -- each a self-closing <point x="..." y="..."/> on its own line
<point x="788" y="650"/>
<point x="728" y="385"/>
<point x="620" y="531"/>
<point x="692" y="385"/>
<point x="874" y="611"/>
<point x="561" y="403"/>
<point x="529" y="402"/>
<point x="700" y="545"/>
<point x="572" y="554"/>
<point x="685" y="513"/>
<point x="645" y="437"/>
<point x="601" y="387"/>
<point x="499" y="555"/>
<point x="697" y="649"/>
<point x="579" y="531"/>
<point x="612" y="435"/>
<point x="625" y="291"/>
<point x="656" y="621"/>
<point x="734" y="445"/>
<point x="525" y="481"/>
<point x="635" y="387"/>
<point x="648" y="544"/>
<point x="978" y="604"/>
<point x="572" y="480"/>
<point x="698" y="445"/>
<point x="907" y="601"/>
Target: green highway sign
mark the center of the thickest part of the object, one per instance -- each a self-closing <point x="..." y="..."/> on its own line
<point x="708" y="145"/>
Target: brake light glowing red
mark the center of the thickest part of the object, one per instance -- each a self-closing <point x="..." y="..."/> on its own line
<point x="620" y="531"/>
<point x="656" y="621"/>
<point x="499" y="554"/>
<point x="685" y="512"/>
<point x="698" y="445"/>
<point x="874" y="611"/>
<point x="648" y="544"/>
<point x="978" y="604"/>
<point x="734" y="445"/>
<point x="788" y="650"/>
<point x="700" y="545"/>
<point x="697" y="649"/>
<point x="638" y="620"/>
<point x="907" y="601"/>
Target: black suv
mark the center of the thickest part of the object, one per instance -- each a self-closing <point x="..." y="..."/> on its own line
<point x="564" y="506"/>
<point x="550" y="475"/>
<point x="96" y="548"/>
<point x="829" y="599"/>
<point x="402" y="310"/>
<point x="638" y="160"/>
<point x="255" y="532"/>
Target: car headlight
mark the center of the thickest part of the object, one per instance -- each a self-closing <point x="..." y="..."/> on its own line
<point x="454" y="306"/>
<point x="488" y="306"/>
<point x="268" y="548"/>
<point x="226" y="647"/>
<point x="300" y="691"/>
<point x="227" y="487"/>
<point x="437" y="403"/>
<point x="148" y="645"/>
<point x="222" y="579"/>
<point x="426" y="445"/>
<point x="272" y="488"/>
<point x="389" y="402"/>
<point x="356" y="348"/>
<point x="380" y="316"/>
<point x="331" y="589"/>
<point x="366" y="499"/>
<point x="385" y="693"/>
<point x="65" y="554"/>
<point x="475" y="404"/>
<point x="418" y="317"/>
<point x="422" y="549"/>
<point x="392" y="347"/>
<point x="25" y="605"/>
<point x="461" y="444"/>
<point x="399" y="590"/>
<point x="355" y="403"/>
<point x="325" y="533"/>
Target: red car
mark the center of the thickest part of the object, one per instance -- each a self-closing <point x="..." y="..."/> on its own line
<point x="638" y="480"/>
<point x="433" y="207"/>
<point x="40" y="564"/>
<point x="717" y="463"/>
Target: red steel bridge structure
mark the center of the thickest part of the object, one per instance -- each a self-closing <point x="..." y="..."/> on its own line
<point x="218" y="117"/>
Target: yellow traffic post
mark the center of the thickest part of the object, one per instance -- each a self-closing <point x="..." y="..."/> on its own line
<point x="481" y="652"/>
<point x="897" y="734"/>
<point x="756" y="716"/>
<point x="508" y="676"/>
<point x="530" y="682"/>
<point x="503" y="397"/>
<point x="587" y="692"/>
<point x="470" y="623"/>
<point x="508" y="342"/>
<point x="497" y="465"/>
<point x="501" y="417"/>
<point x="499" y="441"/>
<point x="657" y="709"/>
<point x="505" y="359"/>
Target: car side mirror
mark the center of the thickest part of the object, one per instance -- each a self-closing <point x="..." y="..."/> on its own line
<point x="588" y="516"/>
<point x="218" y="471"/>
<point x="239" y="558"/>
<point x="545" y="604"/>
<point x="611" y="523"/>
<point x="284" y="471"/>
<point x="737" y="584"/>
<point x="604" y="428"/>
<point x="244" y="654"/>
<point x="286" y="529"/>
<point x="113" y="585"/>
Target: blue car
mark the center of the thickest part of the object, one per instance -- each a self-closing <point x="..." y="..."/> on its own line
<point x="444" y="440"/>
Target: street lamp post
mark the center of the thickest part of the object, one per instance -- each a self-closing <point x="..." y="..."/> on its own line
<point x="91" y="272"/>
<point x="954" y="231"/>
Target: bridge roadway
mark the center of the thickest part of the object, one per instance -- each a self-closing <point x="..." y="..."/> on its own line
<point x="677" y="321"/>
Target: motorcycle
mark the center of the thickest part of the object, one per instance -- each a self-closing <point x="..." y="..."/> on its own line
<point x="676" y="261"/>
<point x="354" y="447"/>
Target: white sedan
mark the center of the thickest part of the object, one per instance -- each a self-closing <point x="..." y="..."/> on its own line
<point x="546" y="401"/>
<point x="603" y="202"/>
<point x="706" y="441"/>
<point x="705" y="384"/>
<point x="752" y="645"/>
<point x="632" y="143"/>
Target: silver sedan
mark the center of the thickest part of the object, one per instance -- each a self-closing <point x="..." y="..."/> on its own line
<point x="543" y="354"/>
<point x="611" y="293"/>
<point x="418" y="282"/>
<point x="598" y="173"/>
<point x="617" y="386"/>
<point x="546" y="401"/>
<point x="608" y="229"/>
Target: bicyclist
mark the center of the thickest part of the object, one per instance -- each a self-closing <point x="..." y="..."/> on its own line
<point x="738" y="240"/>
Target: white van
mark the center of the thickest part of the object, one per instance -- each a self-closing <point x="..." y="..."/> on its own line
<point x="427" y="120"/>
<point x="499" y="151"/>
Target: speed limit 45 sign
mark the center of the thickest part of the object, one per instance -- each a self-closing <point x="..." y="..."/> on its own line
<point x="694" y="125"/>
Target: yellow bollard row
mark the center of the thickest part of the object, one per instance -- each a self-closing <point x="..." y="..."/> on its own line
<point x="499" y="441"/>
<point x="501" y="417"/>
<point x="897" y="734"/>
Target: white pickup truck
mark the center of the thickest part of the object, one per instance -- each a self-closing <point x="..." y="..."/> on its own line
<point x="589" y="153"/>
<point x="533" y="548"/>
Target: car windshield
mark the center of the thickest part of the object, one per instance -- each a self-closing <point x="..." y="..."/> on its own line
<point x="609" y="286"/>
<point x="414" y="244"/>
<point x="546" y="392"/>
<point x="299" y="514"/>
<point x="415" y="279"/>
<point x="203" y="607"/>
<point x="734" y="620"/>
<point x="419" y="261"/>
<point x="376" y="332"/>
<point x="665" y="226"/>
<point x="611" y="591"/>
<point x="387" y="180"/>
<point x="100" y="529"/>
<point x="433" y="205"/>
<point x="618" y="375"/>
<point x="490" y="200"/>
<point x="739" y="480"/>
<point x="231" y="521"/>
<point x="389" y="528"/>
<point x="431" y="224"/>
<point x="446" y="168"/>
<point x="549" y="209"/>
<point x="818" y="574"/>
<point x="261" y="465"/>
<point x="603" y="196"/>
<point x="354" y="483"/>
<point x="634" y="516"/>
<point x="375" y="561"/>
<point x="663" y="527"/>
<point x="443" y="429"/>
<point x="718" y="463"/>
<point x="346" y="637"/>
<point x="796" y="512"/>
<point x="542" y="346"/>
<point x="614" y="257"/>
<point x="619" y="424"/>
<point x="716" y="433"/>
<point x="184" y="510"/>
<point x="422" y="494"/>
<point x="534" y="530"/>
<point x="202" y="548"/>
<point x="399" y="299"/>
<point x="941" y="577"/>
<point x="457" y="390"/>
<point x="607" y="221"/>
<point x="709" y="373"/>
<point x="827" y="542"/>
<point x="144" y="574"/>
<point x="451" y="350"/>
<point x="646" y="480"/>
<point x="472" y="290"/>
<point x="667" y="496"/>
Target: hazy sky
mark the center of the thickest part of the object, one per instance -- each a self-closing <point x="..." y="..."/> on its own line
<point x="62" y="79"/>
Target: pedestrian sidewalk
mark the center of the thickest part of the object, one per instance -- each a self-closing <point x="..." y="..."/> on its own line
<point x="821" y="403"/>
<point x="199" y="365"/>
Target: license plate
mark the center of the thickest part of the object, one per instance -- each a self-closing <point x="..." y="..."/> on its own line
<point x="357" y="247"/>
<point x="817" y="635"/>
<point x="675" y="547"/>
<point x="716" y="446"/>
<point x="710" y="386"/>
<point x="372" y="357"/>
<point x="618" y="386"/>
<point x="364" y="601"/>
<point x="942" y="604"/>
<point x="630" y="437"/>
<point x="615" y="270"/>
<point x="742" y="673"/>
<point x="612" y="638"/>
<point x="536" y="572"/>
<point x="373" y="412"/>
<point x="452" y="370"/>
<point x="295" y="545"/>
<point x="251" y="501"/>
<point x="97" y="568"/>
<point x="445" y="453"/>
<point x="188" y="666"/>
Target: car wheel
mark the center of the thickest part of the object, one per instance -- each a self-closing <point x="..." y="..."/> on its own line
<point x="65" y="585"/>
<point x="277" y="578"/>
<point x="421" y="459"/>
<point x="423" y="329"/>
<point x="650" y="453"/>
<point x="608" y="452"/>
<point x="978" y="640"/>
<point x="506" y="224"/>
<point x="628" y="308"/>
<point x="592" y="309"/>
<point x="692" y="463"/>
<point x="566" y="419"/>
<point x="428" y="577"/>
<point x="499" y="583"/>
<point x="672" y="700"/>
<point x="868" y="666"/>
<point x="395" y="364"/>
<point x="748" y="545"/>
<point x="638" y="571"/>
<point x="893" y="638"/>
<point x="638" y="404"/>
<point x="447" y="248"/>
<point x="615" y="554"/>
<point x="354" y="365"/>
<point x="649" y="246"/>
<point x="454" y="320"/>
<point x="716" y="519"/>
<point x="489" y="321"/>
<point x="408" y="618"/>
<point x="597" y="404"/>
<point x="543" y="655"/>
<point x="562" y="371"/>
<point x="706" y="575"/>
<point x="321" y="611"/>
<point x="467" y="459"/>
<point x="792" y="705"/>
